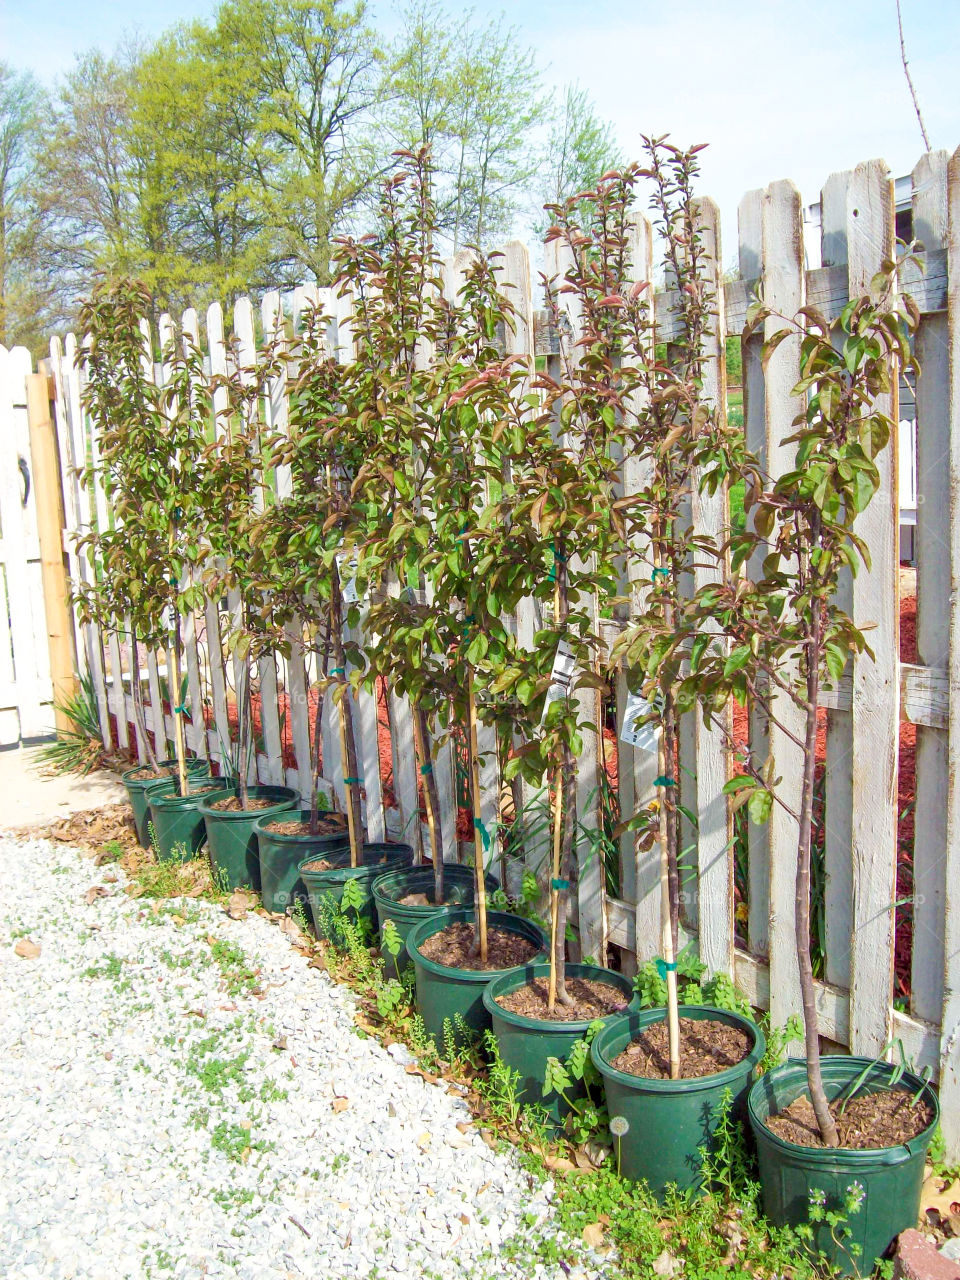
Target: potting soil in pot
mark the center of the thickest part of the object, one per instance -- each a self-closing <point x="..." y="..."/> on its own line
<point x="868" y="1122"/>
<point x="454" y="947"/>
<point x="588" y="1000"/>
<point x="325" y="827"/>
<point x="706" y="1047"/>
<point x="233" y="804"/>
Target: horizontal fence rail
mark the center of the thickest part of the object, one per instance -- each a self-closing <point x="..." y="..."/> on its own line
<point x="738" y="885"/>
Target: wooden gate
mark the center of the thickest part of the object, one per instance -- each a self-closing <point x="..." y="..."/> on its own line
<point x="25" y="688"/>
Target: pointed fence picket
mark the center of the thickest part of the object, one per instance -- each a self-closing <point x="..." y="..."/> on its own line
<point x="743" y="926"/>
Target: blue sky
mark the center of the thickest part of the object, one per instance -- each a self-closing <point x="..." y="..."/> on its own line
<point x="779" y="88"/>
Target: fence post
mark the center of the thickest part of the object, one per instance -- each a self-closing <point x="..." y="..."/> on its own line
<point x="50" y="525"/>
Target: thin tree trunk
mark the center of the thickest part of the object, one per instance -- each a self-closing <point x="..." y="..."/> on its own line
<point x="324" y="657"/>
<point x="348" y="743"/>
<point x="138" y="714"/>
<point x="480" y="890"/>
<point x="421" y="742"/>
<point x="566" y="801"/>
<point x="176" y="708"/>
<point x="244" y="732"/>
<point x="825" y="1121"/>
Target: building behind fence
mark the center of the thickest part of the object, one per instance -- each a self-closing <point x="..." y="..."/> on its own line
<point x="741" y="916"/>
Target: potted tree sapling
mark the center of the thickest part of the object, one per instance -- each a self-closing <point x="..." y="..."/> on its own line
<point x="832" y="1123"/>
<point x="553" y="536"/>
<point x="149" y="441"/>
<point x="422" y="485"/>
<point x="297" y="553"/>
<point x="234" y="490"/>
<point x="666" y="1075"/>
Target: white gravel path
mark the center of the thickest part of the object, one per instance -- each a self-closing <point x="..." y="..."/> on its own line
<point x="163" y="1114"/>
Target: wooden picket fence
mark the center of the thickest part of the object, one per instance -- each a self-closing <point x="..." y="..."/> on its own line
<point x="754" y="944"/>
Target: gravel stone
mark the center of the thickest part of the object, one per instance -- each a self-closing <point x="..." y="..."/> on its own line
<point x="152" y="1128"/>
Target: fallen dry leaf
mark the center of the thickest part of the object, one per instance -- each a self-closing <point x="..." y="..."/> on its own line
<point x="340" y="1104"/>
<point x="93" y="894"/>
<point x="593" y="1235"/>
<point x="489" y="1139"/>
<point x="238" y="904"/>
<point x="110" y="878"/>
<point x="944" y="1199"/>
<point x="559" y="1164"/>
<point x="178" y="919"/>
<point x="583" y="1161"/>
<point x="666" y="1265"/>
<point x="464" y="1125"/>
<point x="133" y="890"/>
<point x="290" y="927"/>
<point x="27" y="949"/>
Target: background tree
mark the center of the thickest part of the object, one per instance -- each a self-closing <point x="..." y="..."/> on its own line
<point x="26" y="297"/>
<point x="580" y="149"/>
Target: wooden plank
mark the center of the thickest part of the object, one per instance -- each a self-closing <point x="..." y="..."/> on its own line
<point x="513" y="273"/>
<point x="784" y="293"/>
<point x="838" y="784"/>
<point x="950" y="1017"/>
<point x="929" y="181"/>
<point x="639" y="871"/>
<point x="266" y="663"/>
<point x="710" y="515"/>
<point x="191" y="337"/>
<point x="68" y="488"/>
<point x="750" y="235"/>
<point x="875" y="711"/>
<point x="80" y="441"/>
<point x="224" y="749"/>
<point x="46" y="496"/>
<point x="590" y="871"/>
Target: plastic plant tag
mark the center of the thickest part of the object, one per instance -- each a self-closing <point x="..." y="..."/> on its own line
<point x="348" y="579"/>
<point x="564" y="666"/>
<point x="634" y="732"/>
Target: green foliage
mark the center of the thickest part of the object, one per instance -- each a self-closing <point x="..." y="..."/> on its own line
<point x="79" y="749"/>
<point x="718" y="991"/>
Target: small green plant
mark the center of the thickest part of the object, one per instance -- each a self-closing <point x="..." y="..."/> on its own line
<point x="836" y="1217"/>
<point x="586" y="1117"/>
<point x="79" y="749"/>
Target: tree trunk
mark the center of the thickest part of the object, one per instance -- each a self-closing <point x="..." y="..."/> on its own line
<point x="480" y="889"/>
<point x="244" y="732"/>
<point x="348" y="743"/>
<point x="421" y="742"/>
<point x="825" y="1121"/>
<point x="138" y="715"/>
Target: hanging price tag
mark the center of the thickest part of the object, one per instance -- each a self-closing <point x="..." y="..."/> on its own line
<point x="564" y="666"/>
<point x="641" y="736"/>
<point x="169" y="617"/>
<point x="348" y="579"/>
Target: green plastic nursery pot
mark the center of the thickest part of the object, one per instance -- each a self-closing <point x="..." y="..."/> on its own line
<point x="178" y="825"/>
<point x="136" y="789"/>
<point x="458" y="886"/>
<point x="325" y="888"/>
<point x="445" y="993"/>
<point x="891" y="1177"/>
<point x="671" y="1123"/>
<point x="281" y="854"/>
<point x="231" y="840"/>
<point x="525" y="1044"/>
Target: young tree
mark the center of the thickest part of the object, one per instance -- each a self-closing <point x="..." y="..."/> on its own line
<point x="150" y="440"/>
<point x="785" y="636"/>
<point x="26" y="296"/>
<point x="580" y="149"/>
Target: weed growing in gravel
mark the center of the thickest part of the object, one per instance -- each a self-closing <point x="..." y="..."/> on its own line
<point x="112" y="968"/>
<point x="237" y="972"/>
<point x="232" y="1139"/>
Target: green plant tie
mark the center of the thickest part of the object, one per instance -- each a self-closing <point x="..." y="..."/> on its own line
<point x="180" y="711"/>
<point x="338" y="671"/>
<point x="559" y="883"/>
<point x="177" y="513"/>
<point x="663" y="968"/>
<point x="664" y="782"/>
<point x="353" y="782"/>
<point x="659" y="572"/>
<point x="484" y="833"/>
<point x="426" y="768"/>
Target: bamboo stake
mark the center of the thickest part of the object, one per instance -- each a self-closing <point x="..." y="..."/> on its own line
<point x="179" y="737"/>
<point x="481" y="889"/>
<point x="554" y="892"/>
<point x="666" y="930"/>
